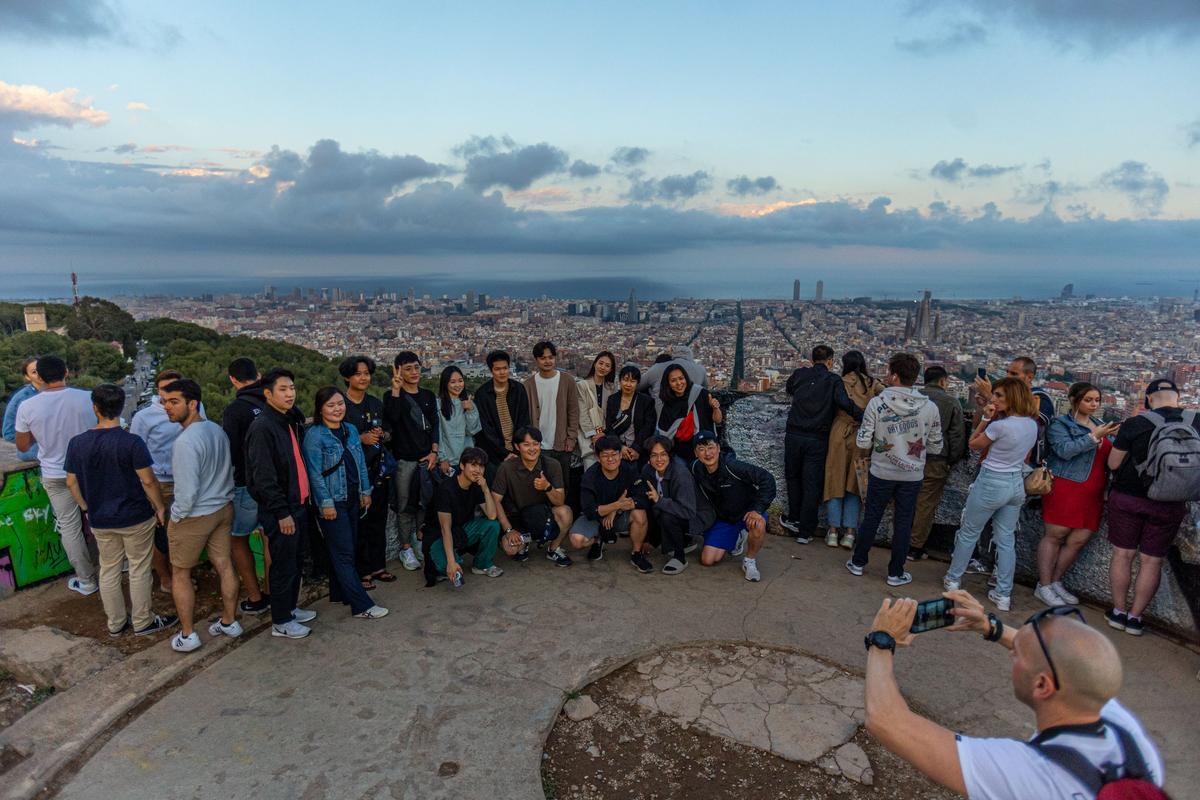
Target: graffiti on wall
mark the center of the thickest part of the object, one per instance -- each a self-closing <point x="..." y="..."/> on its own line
<point x="28" y="537"/>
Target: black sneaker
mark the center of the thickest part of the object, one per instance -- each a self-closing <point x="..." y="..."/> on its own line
<point x="917" y="554"/>
<point x="559" y="558"/>
<point x="250" y="607"/>
<point x="124" y="629"/>
<point x="640" y="562"/>
<point x="523" y="555"/>
<point x="596" y="551"/>
<point x="1134" y="626"/>
<point x="1117" y="619"/>
<point x="159" y="623"/>
<point x="609" y="536"/>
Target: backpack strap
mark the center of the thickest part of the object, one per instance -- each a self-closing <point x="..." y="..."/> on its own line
<point x="1134" y="762"/>
<point x="1158" y="419"/>
<point x="1132" y="766"/>
<point x="1072" y="761"/>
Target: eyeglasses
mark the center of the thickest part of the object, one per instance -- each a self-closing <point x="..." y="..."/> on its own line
<point x="1052" y="611"/>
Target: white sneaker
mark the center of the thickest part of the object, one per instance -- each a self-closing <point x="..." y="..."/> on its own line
<point x="899" y="580"/>
<point x="740" y="547"/>
<point x="750" y="569"/>
<point x="374" y="612"/>
<point x="492" y="571"/>
<point x="831" y="538"/>
<point x="233" y="630"/>
<point x="303" y="615"/>
<point x="848" y="541"/>
<point x="85" y="588"/>
<point x="949" y="585"/>
<point x="185" y="644"/>
<point x="1066" y="596"/>
<point x="788" y="525"/>
<point x="1047" y="595"/>
<point x="291" y="630"/>
<point x="854" y="569"/>
<point x="1003" y="603"/>
<point x="408" y="559"/>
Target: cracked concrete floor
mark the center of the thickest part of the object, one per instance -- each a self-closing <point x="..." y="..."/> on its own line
<point x="453" y="694"/>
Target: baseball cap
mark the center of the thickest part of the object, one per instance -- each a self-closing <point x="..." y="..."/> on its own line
<point x="704" y="437"/>
<point x="1161" y="385"/>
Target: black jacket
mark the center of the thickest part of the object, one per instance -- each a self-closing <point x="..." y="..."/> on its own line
<point x="490" y="438"/>
<point x="817" y="394"/>
<point x="735" y="488"/>
<point x="271" y="468"/>
<point x="236" y="420"/>
<point x="642" y="420"/>
<point x="412" y="420"/>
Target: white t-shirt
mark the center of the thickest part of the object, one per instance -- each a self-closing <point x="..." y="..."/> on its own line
<point x="547" y="389"/>
<point x="54" y="417"/>
<point x="1006" y="769"/>
<point x="1012" y="439"/>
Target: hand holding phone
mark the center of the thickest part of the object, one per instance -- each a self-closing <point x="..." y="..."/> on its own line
<point x="932" y="614"/>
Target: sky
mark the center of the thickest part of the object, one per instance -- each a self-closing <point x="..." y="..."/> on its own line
<point x="970" y="146"/>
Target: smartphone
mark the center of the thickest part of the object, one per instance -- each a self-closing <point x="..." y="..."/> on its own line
<point x="981" y="373"/>
<point x="932" y="614"/>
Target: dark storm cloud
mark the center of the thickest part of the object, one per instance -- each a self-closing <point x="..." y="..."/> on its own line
<point x="670" y="188"/>
<point x="744" y="185"/>
<point x="954" y="171"/>
<point x="629" y="156"/>
<point x="516" y="169"/>
<point x="1145" y="188"/>
<point x="583" y="169"/>
<point x="958" y="37"/>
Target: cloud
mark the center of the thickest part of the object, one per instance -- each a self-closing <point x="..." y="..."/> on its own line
<point x="583" y="169"/>
<point x="1045" y="193"/>
<point x="129" y="148"/>
<point x="954" y="171"/>
<point x="514" y="168"/>
<point x="125" y="149"/>
<point x="1192" y="133"/>
<point x="629" y="156"/>
<point x="45" y="20"/>
<point x="137" y="107"/>
<point x="1145" y="189"/>
<point x="26" y="106"/>
<point x="744" y="185"/>
<point x="958" y="37"/>
<point x="670" y="188"/>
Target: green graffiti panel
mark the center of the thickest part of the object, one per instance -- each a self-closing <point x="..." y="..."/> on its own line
<point x="27" y="533"/>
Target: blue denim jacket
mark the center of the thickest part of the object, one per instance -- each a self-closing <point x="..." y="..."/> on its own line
<point x="322" y="450"/>
<point x="1070" y="449"/>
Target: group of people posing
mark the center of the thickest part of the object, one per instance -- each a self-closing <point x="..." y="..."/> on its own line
<point x="859" y="444"/>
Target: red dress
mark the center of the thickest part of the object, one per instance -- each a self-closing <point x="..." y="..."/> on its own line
<point x="1079" y="505"/>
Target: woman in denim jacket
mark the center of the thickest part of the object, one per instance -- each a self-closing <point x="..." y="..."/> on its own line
<point x="1077" y="448"/>
<point x="337" y="476"/>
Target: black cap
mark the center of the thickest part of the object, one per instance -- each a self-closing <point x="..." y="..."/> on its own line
<point x="704" y="436"/>
<point x="1161" y="385"/>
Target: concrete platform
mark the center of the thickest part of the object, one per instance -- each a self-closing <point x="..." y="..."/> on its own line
<point x="475" y="678"/>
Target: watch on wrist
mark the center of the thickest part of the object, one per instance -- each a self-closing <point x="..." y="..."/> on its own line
<point x="997" y="628"/>
<point x="880" y="639"/>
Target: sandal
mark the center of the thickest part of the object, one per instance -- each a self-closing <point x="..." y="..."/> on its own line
<point x="384" y="576"/>
<point x="368" y="584"/>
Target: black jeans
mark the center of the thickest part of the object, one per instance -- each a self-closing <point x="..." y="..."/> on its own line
<point x="880" y="492"/>
<point x="340" y="534"/>
<point x="370" y="553"/>
<point x="285" y="562"/>
<point x="674" y="531"/>
<point x="804" y="471"/>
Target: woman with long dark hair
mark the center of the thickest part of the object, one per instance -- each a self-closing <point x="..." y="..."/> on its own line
<point x="683" y="410"/>
<point x="594" y="390"/>
<point x="842" y="493"/>
<point x="458" y="419"/>
<point x="629" y="416"/>
<point x="337" y="474"/>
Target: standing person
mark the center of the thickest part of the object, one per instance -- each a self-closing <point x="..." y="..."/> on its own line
<point x="1007" y="429"/>
<point x="817" y="394"/>
<point x="410" y="412"/>
<point x="503" y="408"/>
<point x="1077" y="447"/>
<point x="108" y="474"/>
<point x="651" y="380"/>
<point x="201" y="513"/>
<point x="594" y="389"/>
<point x="31" y="387"/>
<point x="554" y="409"/>
<point x="842" y="494"/>
<point x="248" y="403"/>
<point x="898" y="428"/>
<point x="50" y="419"/>
<point x="676" y="509"/>
<point x="740" y="494"/>
<point x="1137" y="523"/>
<point x="337" y="473"/>
<point x="278" y="482"/>
<point x="1024" y="369"/>
<point x="458" y="419"/>
<point x="456" y="502"/>
<point x="533" y="500"/>
<point x="683" y="409"/>
<point x="365" y="412"/>
<point x="937" y="466"/>
<point x="613" y="501"/>
<point x="629" y="415"/>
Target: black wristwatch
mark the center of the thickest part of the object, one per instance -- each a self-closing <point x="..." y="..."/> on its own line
<point x="996" y="631"/>
<point x="880" y="639"/>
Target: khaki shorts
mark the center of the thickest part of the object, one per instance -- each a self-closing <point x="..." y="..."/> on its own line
<point x="189" y="537"/>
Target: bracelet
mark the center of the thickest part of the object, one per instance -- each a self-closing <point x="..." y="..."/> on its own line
<point x="997" y="629"/>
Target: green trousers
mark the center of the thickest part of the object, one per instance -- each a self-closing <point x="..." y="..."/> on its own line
<point x="480" y="531"/>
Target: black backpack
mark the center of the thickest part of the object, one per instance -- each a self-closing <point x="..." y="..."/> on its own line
<point x="1129" y="780"/>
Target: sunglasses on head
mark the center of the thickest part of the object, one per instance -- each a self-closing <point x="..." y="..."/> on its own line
<point x="1052" y="611"/>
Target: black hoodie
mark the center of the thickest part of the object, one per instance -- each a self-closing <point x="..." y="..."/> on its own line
<point x="817" y="394"/>
<point x="236" y="420"/>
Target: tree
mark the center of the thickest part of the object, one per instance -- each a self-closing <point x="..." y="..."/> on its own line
<point x="107" y="322"/>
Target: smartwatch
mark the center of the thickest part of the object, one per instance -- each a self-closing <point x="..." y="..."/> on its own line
<point x="880" y="639"/>
<point x="996" y="631"/>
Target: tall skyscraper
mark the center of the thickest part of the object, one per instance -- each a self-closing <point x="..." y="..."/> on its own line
<point x="469" y="301"/>
<point x="796" y="291"/>
<point x="820" y="296"/>
<point x="631" y="313"/>
<point x="1067" y="292"/>
<point x="483" y="298"/>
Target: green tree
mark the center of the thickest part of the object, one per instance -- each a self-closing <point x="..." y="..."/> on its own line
<point x="107" y="322"/>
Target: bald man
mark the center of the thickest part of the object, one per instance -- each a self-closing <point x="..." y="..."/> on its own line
<point x="1068" y="678"/>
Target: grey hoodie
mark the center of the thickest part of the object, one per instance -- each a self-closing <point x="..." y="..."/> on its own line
<point x="900" y="426"/>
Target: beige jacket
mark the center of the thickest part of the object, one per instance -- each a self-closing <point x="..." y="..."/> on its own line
<point x="566" y="427"/>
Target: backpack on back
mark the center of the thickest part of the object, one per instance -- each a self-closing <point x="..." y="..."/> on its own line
<point x="1129" y="780"/>
<point x="1171" y="471"/>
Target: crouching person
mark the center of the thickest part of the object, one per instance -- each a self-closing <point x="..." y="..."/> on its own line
<point x="613" y="502"/>
<point x="740" y="494"/>
<point x="456" y="501"/>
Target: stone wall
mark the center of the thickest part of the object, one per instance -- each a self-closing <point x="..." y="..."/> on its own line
<point x="755" y="429"/>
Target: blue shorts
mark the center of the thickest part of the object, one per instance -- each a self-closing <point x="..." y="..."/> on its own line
<point x="724" y="535"/>
<point x="245" y="512"/>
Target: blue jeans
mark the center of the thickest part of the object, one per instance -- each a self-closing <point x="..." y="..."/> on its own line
<point x="880" y="492"/>
<point x="997" y="496"/>
<point x="341" y="534"/>
<point x="843" y="511"/>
